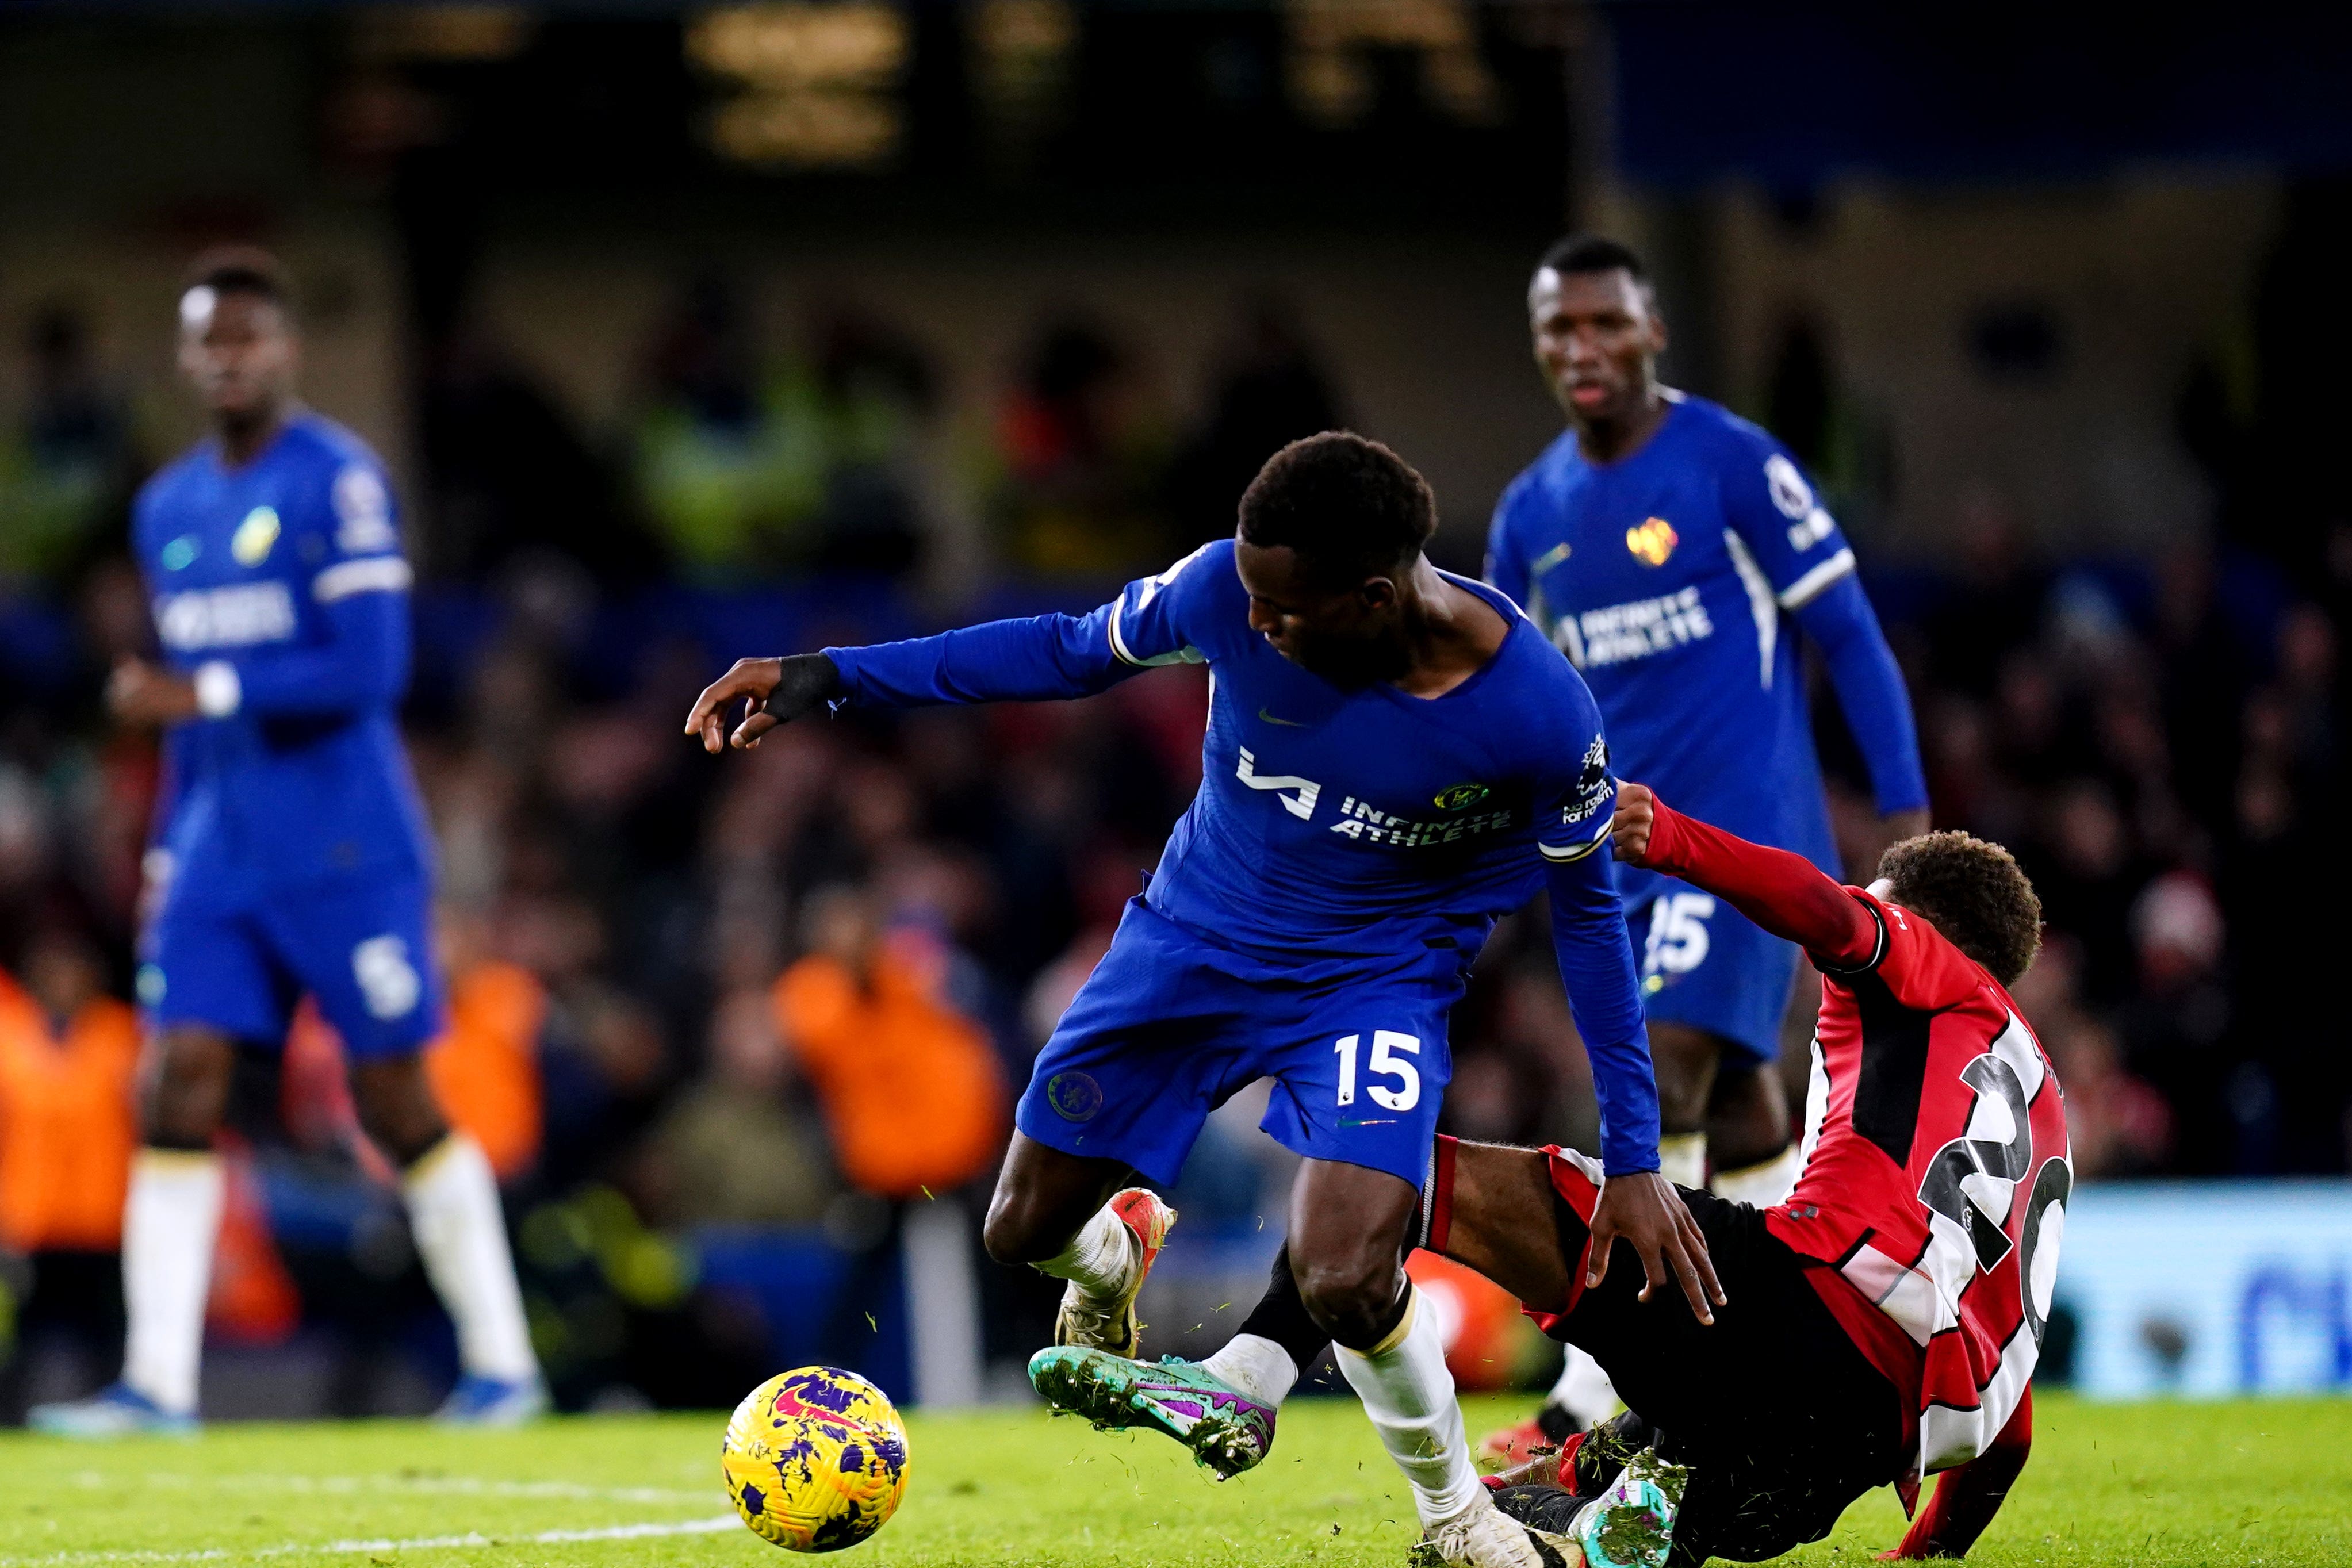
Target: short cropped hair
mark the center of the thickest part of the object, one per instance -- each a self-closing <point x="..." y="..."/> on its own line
<point x="1349" y="506"/>
<point x="1974" y="893"/>
<point x="1581" y="253"/>
<point x="242" y="270"/>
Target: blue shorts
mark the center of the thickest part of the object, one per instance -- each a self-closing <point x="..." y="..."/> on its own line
<point x="1705" y="965"/>
<point x="362" y="947"/>
<point x="1172" y="1025"/>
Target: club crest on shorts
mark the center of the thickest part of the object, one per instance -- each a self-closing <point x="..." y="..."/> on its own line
<point x="1462" y="797"/>
<point x="1075" y="1096"/>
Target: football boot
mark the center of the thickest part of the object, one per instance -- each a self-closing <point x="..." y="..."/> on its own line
<point x="1227" y="1431"/>
<point x="117" y="1410"/>
<point x="1091" y="1321"/>
<point x="1483" y="1536"/>
<point x="478" y="1401"/>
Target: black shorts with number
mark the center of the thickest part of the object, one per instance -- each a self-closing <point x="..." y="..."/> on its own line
<point x="1780" y="1419"/>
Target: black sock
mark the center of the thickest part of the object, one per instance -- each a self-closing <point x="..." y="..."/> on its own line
<point x="1281" y="1316"/>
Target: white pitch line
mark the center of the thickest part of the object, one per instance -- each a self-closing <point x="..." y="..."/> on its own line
<point x="470" y="1486"/>
<point x="713" y="1525"/>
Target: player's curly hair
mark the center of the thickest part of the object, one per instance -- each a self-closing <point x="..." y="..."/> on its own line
<point x="1582" y="253"/>
<point x="1974" y="893"/>
<point x="241" y="269"/>
<point x="1352" y="507"/>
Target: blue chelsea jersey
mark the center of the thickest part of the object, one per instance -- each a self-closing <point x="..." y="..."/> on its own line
<point x="1667" y="578"/>
<point x="1347" y="823"/>
<point x="280" y="588"/>
<point x="1342" y="831"/>
<point x="1402" y="820"/>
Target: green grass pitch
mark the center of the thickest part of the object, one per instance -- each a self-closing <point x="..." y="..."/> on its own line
<point x="2247" y="1483"/>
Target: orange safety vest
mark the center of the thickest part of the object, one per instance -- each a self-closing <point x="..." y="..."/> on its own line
<point x="66" y="1123"/>
<point x="485" y="1067"/>
<point x="910" y="1087"/>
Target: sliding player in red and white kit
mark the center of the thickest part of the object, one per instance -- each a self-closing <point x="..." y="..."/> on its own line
<point x="1885" y="1319"/>
<point x="1880" y="1324"/>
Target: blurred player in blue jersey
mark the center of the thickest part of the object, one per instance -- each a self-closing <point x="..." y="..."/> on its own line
<point x="1673" y="552"/>
<point x="291" y="856"/>
<point x="1395" y="758"/>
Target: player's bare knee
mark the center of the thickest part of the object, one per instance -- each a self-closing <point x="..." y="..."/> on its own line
<point x="187" y="1091"/>
<point x="1684" y="1061"/>
<point x="396" y="1108"/>
<point x="1018" y="1230"/>
<point x="1682" y="1096"/>
<point x="1747" y="1118"/>
<point x="1352" y="1300"/>
<point x="1679" y="1113"/>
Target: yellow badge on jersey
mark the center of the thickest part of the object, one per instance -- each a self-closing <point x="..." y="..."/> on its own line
<point x="1652" y="542"/>
<point x="251" y="542"/>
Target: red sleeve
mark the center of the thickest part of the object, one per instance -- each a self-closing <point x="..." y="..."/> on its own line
<point x="1968" y="1496"/>
<point x="1783" y="893"/>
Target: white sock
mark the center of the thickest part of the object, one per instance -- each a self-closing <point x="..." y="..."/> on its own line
<point x="453" y="1208"/>
<point x="1583" y="1390"/>
<point x="1682" y="1158"/>
<point x="1099" y="1257"/>
<point x="1763" y="1184"/>
<point x="1409" y="1395"/>
<point x="1257" y="1366"/>
<point x="169" y="1224"/>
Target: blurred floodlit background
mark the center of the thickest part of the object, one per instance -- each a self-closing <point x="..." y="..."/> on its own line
<point x="694" y="332"/>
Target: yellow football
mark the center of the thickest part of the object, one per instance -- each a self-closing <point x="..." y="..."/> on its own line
<point x="815" y="1460"/>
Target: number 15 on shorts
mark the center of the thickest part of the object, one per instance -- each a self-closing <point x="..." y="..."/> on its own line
<point x="1383" y="1063"/>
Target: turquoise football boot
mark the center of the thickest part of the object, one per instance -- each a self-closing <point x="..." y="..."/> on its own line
<point x="1632" y="1525"/>
<point x="1227" y="1431"/>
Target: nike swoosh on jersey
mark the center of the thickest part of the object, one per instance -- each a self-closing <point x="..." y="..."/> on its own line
<point x="1285" y="723"/>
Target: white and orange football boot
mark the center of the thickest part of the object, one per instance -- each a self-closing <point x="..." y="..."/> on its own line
<point x="1094" y="1322"/>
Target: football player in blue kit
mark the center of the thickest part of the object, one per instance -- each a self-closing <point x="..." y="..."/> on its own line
<point x="1394" y="758"/>
<point x="1673" y="552"/>
<point x="291" y="855"/>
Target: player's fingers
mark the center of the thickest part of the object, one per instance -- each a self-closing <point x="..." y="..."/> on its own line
<point x="710" y="704"/>
<point x="1694" y="1244"/>
<point x="1654" y="1269"/>
<point x="1596" y="1268"/>
<point x="1694" y="1289"/>
<point x="756" y="724"/>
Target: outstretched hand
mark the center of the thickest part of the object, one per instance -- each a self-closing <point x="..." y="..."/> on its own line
<point x="774" y="692"/>
<point x="1646" y="1209"/>
<point x="144" y="693"/>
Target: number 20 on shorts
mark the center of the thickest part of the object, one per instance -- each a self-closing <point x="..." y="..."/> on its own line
<point x="1383" y="1063"/>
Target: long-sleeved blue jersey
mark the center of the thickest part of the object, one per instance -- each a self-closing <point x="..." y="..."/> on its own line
<point x="1338" y="824"/>
<point x="1670" y="579"/>
<point x="280" y="588"/>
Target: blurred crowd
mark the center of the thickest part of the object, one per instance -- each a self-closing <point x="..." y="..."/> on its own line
<point x="792" y="993"/>
<point x="2160" y="742"/>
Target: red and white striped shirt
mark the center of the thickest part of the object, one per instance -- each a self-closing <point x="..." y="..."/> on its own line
<point x="1936" y="1172"/>
<point x="1936" y="1175"/>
